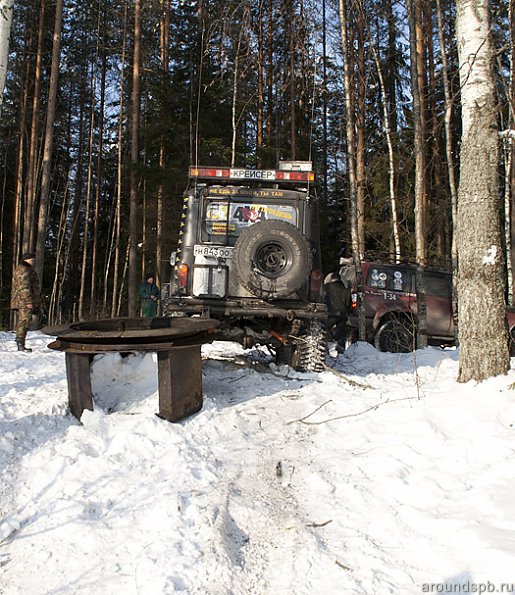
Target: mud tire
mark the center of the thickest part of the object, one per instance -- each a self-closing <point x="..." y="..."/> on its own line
<point x="311" y="349"/>
<point x="272" y="259"/>
<point x="397" y="335"/>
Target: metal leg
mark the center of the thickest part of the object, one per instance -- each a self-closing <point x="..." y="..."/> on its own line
<point x="180" y="382"/>
<point x="80" y="396"/>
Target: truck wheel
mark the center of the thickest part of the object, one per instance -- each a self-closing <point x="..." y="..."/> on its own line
<point x="396" y="336"/>
<point x="311" y="349"/>
<point x="272" y="259"/>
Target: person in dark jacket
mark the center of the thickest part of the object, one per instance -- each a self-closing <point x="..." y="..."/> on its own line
<point x="149" y="294"/>
<point x="25" y="297"/>
<point x="338" y="287"/>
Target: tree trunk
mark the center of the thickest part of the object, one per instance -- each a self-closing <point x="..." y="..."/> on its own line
<point x="135" y="114"/>
<point x="18" y="192"/>
<point x="482" y="323"/>
<point x="325" y="160"/>
<point x="293" y="120"/>
<point x="165" y="40"/>
<point x="29" y="222"/>
<point x="94" y="306"/>
<point x="234" y="119"/>
<point x="87" y="216"/>
<point x="118" y="224"/>
<point x="269" y="75"/>
<point x="49" y="142"/>
<point x="72" y="256"/>
<point x="417" y="89"/>
<point x="260" y="84"/>
<point x="360" y="130"/>
<point x="391" y="159"/>
<point x="6" y="14"/>
<point x="449" y="156"/>
<point x="351" y="161"/>
<point x="392" y="66"/>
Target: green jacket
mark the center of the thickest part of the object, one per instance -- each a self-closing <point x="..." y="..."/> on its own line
<point x="25" y="289"/>
<point x="149" y="305"/>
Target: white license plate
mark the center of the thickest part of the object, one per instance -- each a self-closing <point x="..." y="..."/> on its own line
<point x="213" y="251"/>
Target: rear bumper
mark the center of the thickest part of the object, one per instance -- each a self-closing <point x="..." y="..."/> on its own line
<point x="243" y="309"/>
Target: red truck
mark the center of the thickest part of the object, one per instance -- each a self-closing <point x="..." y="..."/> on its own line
<point x="391" y="307"/>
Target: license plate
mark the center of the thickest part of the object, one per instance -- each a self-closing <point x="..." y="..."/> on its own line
<point x="213" y="251"/>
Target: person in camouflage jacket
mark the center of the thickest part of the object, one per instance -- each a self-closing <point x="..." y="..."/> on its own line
<point x="25" y="297"/>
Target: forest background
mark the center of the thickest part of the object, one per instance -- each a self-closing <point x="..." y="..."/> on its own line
<point x="108" y="102"/>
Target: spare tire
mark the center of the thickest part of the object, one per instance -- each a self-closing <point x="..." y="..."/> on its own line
<point x="272" y="259"/>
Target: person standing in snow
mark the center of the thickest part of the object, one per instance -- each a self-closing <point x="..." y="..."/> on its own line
<point x="338" y="287"/>
<point x="149" y="294"/>
<point x="25" y="297"/>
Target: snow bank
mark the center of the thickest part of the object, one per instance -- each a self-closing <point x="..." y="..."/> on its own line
<point x="378" y="477"/>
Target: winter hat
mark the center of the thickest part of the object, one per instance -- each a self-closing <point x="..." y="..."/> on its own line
<point x="28" y="255"/>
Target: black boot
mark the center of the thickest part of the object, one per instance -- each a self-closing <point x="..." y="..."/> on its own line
<point x="21" y="346"/>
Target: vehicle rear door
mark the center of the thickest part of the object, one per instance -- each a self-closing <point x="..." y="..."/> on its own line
<point x="389" y="288"/>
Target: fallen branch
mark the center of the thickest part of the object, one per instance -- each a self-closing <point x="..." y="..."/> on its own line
<point x="348" y="568"/>
<point x="309" y="415"/>
<point x="317" y="525"/>
<point x="349" y="380"/>
<point x="374" y="407"/>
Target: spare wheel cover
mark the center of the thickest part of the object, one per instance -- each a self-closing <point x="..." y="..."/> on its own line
<point x="272" y="259"/>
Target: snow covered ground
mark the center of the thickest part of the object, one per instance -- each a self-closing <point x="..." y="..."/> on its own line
<point x="378" y="477"/>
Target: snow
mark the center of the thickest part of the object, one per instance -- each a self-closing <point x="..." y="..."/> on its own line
<point x="382" y="475"/>
<point x="491" y="255"/>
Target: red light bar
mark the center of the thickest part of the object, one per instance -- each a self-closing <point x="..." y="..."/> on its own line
<point x="295" y="176"/>
<point x="209" y="172"/>
<point x="259" y="175"/>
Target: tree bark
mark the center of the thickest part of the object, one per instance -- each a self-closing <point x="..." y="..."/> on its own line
<point x="509" y="144"/>
<point x="165" y="40"/>
<point x="293" y="119"/>
<point x="417" y="89"/>
<point x="135" y="115"/>
<point x="351" y="164"/>
<point x="482" y="324"/>
<point x="6" y="14"/>
<point x="449" y="156"/>
<point x="391" y="159"/>
<point x="49" y="142"/>
<point x="234" y="119"/>
<point x="360" y="129"/>
<point x="29" y="226"/>
<point x="260" y="84"/>
<point x="118" y="224"/>
<point x="94" y="306"/>
<point x="18" y="192"/>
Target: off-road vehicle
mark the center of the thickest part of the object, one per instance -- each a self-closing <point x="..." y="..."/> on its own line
<point x="390" y="301"/>
<point x="249" y="256"/>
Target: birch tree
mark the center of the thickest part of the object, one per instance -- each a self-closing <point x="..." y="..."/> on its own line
<point x="6" y="13"/>
<point x="351" y="161"/>
<point x="481" y="315"/>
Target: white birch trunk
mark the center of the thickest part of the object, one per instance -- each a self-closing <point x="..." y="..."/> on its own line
<point x="391" y="159"/>
<point x="6" y="15"/>
<point x="481" y="314"/>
